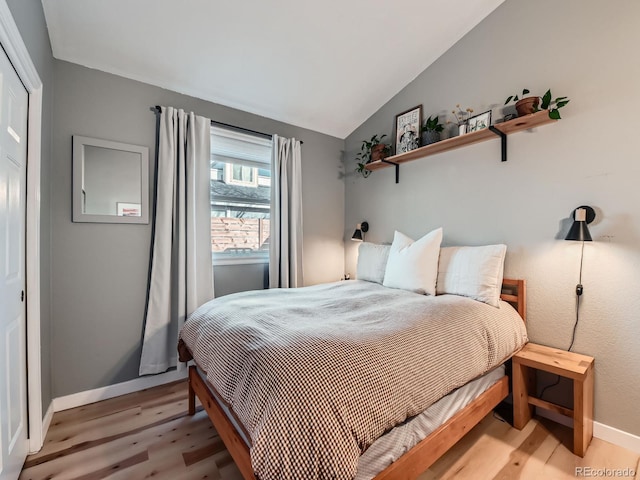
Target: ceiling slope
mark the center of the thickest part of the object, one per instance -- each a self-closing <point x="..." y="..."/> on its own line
<point x="326" y="66"/>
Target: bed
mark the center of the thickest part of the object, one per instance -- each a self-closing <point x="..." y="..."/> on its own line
<point x="234" y="382"/>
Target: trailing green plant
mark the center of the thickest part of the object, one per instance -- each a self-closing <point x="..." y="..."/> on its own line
<point x="432" y="125"/>
<point x="558" y="104"/>
<point x="545" y="104"/>
<point x="364" y="156"/>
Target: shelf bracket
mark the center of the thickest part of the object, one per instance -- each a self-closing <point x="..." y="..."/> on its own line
<point x="397" y="169"/>
<point x="503" y="141"/>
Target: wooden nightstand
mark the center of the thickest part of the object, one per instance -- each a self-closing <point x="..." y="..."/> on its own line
<point x="571" y="365"/>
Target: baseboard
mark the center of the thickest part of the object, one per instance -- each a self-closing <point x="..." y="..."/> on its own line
<point x="110" y="391"/>
<point x="617" y="437"/>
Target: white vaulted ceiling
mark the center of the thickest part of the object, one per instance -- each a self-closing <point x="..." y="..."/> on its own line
<point x="325" y="65"/>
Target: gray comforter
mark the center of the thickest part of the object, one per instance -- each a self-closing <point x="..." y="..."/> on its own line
<point x="316" y="374"/>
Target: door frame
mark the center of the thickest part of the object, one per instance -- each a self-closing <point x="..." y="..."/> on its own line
<point x="18" y="54"/>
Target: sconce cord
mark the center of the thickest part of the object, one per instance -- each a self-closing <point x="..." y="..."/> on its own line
<point x="579" y="291"/>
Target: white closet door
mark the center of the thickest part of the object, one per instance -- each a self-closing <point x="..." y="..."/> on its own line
<point x="13" y="367"/>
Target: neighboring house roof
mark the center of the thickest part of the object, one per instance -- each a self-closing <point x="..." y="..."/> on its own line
<point x="227" y="193"/>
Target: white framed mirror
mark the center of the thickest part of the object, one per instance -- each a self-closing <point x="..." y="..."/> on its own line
<point x="110" y="181"/>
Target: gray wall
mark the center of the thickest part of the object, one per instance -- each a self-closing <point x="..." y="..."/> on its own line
<point x="99" y="272"/>
<point x="238" y="278"/>
<point x="584" y="50"/>
<point x="29" y="17"/>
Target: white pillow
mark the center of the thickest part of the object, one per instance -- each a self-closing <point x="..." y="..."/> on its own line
<point x="474" y="272"/>
<point x="413" y="265"/>
<point x="372" y="262"/>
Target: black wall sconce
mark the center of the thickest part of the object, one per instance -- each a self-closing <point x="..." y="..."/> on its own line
<point x="361" y="229"/>
<point x="579" y="232"/>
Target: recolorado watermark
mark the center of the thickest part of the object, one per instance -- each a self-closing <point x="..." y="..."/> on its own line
<point x="591" y="472"/>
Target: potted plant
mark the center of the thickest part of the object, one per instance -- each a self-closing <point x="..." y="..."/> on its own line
<point x="524" y="105"/>
<point x="528" y="105"/>
<point x="371" y="151"/>
<point x="431" y="130"/>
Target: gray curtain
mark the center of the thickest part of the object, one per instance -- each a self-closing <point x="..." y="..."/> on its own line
<point x="285" y="247"/>
<point x="181" y="271"/>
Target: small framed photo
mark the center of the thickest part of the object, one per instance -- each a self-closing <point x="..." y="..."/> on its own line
<point x="128" y="209"/>
<point x="479" y="122"/>
<point x="407" y="130"/>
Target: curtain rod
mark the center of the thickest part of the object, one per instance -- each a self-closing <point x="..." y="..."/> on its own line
<point x="157" y="110"/>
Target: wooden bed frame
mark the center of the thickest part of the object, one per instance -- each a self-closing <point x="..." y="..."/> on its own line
<point x="412" y="463"/>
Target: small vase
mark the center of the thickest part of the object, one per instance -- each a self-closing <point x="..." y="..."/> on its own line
<point x="462" y="128"/>
<point x="430" y="136"/>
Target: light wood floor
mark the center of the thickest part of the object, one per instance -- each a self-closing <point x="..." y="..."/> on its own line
<point x="149" y="435"/>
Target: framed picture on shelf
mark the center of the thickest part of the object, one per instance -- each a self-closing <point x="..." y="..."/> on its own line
<point x="407" y="130"/>
<point x="479" y="122"/>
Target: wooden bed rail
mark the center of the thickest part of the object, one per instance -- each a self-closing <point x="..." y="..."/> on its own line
<point x="418" y="459"/>
<point x="232" y="440"/>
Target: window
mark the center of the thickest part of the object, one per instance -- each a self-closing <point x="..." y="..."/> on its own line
<point x="240" y="197"/>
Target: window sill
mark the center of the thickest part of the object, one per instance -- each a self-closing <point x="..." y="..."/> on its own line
<point x="241" y="260"/>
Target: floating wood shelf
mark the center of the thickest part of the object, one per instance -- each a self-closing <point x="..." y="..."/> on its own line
<point x="500" y="130"/>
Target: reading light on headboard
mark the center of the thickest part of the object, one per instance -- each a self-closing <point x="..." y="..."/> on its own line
<point x="361" y="229"/>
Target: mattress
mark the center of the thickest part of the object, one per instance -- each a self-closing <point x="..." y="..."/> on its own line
<point x="402" y="438"/>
